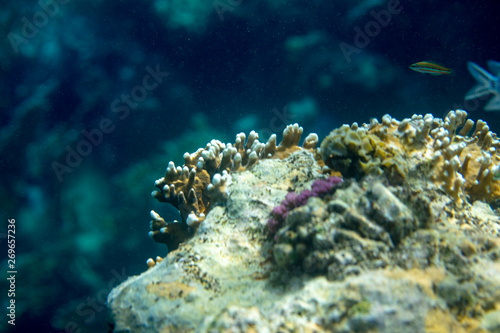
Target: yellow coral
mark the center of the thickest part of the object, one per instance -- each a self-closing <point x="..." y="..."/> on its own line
<point x="355" y="151"/>
<point x="431" y="148"/>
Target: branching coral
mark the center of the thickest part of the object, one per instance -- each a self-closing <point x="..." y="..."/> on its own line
<point x="201" y="182"/>
<point x="441" y="150"/>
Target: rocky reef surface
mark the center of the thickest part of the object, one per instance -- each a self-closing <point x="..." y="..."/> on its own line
<point x="408" y="242"/>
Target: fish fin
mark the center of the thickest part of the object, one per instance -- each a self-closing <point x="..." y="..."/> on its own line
<point x="480" y="74"/>
<point x="477" y="91"/>
<point x="434" y="63"/>
<point x="493" y="104"/>
<point x="494" y="67"/>
<point x="485" y="82"/>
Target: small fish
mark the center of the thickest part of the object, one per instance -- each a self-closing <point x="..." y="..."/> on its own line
<point x="430" y="68"/>
<point x="488" y="83"/>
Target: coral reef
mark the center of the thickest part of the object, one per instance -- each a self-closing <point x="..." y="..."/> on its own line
<point x="354" y="230"/>
<point x="292" y="200"/>
<point x="67" y="66"/>
<point x="200" y="184"/>
<point x="295" y="249"/>
<point x="462" y="165"/>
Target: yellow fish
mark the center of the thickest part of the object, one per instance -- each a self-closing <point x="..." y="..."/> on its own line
<point x="430" y="68"/>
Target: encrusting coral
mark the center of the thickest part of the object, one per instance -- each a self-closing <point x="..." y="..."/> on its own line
<point x="350" y="230"/>
<point x="319" y="188"/>
<point x="422" y="152"/>
<point x="200" y="184"/>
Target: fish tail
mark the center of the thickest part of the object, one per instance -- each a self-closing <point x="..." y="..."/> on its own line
<point x="493" y="104"/>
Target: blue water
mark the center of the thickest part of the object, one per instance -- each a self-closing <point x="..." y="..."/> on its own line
<point x="97" y="96"/>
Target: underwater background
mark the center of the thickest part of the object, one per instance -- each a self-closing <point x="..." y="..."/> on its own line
<point x="97" y="96"/>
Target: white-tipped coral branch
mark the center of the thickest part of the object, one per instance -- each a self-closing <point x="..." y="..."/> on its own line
<point x="201" y="182"/>
<point x="439" y="149"/>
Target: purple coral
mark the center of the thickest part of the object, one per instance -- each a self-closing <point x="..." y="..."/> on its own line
<point x="319" y="188"/>
<point x="322" y="187"/>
